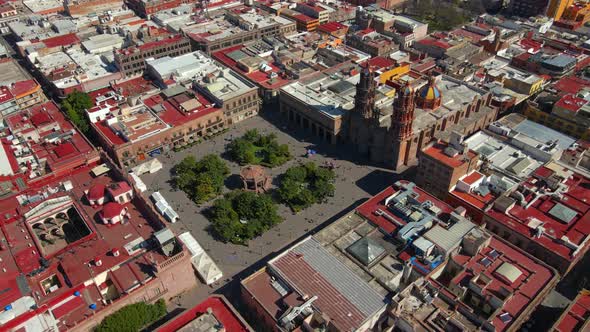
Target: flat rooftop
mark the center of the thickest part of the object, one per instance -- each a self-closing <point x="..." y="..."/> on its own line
<point x="181" y="108"/>
<point x="194" y="319"/>
<point x="446" y="154"/>
<point x="212" y="79"/>
<point x="130" y="124"/>
<point x="11" y="71"/>
<point x="502" y="155"/>
<point x="212" y="30"/>
<point x="332" y="92"/>
<point x="263" y="21"/>
<point x="40" y="6"/>
<point x="475" y="188"/>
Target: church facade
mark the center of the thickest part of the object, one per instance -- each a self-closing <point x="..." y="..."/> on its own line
<point x="421" y="115"/>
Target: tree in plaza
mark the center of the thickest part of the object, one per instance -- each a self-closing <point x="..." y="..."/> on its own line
<point x="255" y="148"/>
<point x="75" y="105"/>
<point x="242" y="215"/>
<point x="304" y="185"/>
<point x="202" y="180"/>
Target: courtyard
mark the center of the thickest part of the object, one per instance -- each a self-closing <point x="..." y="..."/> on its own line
<point x="355" y="182"/>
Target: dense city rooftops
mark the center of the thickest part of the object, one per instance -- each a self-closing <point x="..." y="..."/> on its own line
<point x="516" y="147"/>
<point x="331" y="93"/>
<point x="511" y="282"/>
<point x="550" y="207"/>
<point x="59" y="263"/>
<point x="40" y="141"/>
<point x="262" y="72"/>
<point x="209" y="77"/>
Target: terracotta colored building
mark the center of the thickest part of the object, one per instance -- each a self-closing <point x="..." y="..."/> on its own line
<point x="145" y="8"/>
<point x="442" y="164"/>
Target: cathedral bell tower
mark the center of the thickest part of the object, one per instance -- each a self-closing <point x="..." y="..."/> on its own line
<point x="364" y="100"/>
<point x="403" y="113"/>
<point x="401" y="127"/>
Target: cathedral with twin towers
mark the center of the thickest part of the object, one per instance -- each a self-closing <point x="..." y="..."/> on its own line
<point x="424" y="110"/>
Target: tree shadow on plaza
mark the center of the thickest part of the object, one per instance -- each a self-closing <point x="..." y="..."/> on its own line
<point x="233" y="182"/>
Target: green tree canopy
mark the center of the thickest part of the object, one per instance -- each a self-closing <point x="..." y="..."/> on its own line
<point x="442" y="16"/>
<point x="133" y="317"/>
<point x="305" y="185"/>
<point x="255" y="148"/>
<point x="242" y="215"/>
<point x="75" y="105"/>
<point x="201" y="180"/>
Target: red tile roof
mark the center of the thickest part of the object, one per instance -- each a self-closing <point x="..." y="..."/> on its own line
<point x="331" y="27"/>
<point x="571" y="84"/>
<point x="472" y="178"/>
<point x="174" y="116"/>
<point x="119" y="188"/>
<point x="96" y="192"/>
<point x="434" y="42"/>
<point x="475" y="37"/>
<point x="40" y="119"/>
<point x="63" y="40"/>
<point x="221" y="309"/>
<point x="168" y="40"/>
<point x="571" y="103"/>
<point x="575" y="316"/>
<point x="111" y="210"/>
<point x="304" y="18"/>
<point x="65" y="150"/>
<point x="68" y="306"/>
<point x="5" y="94"/>
<point x="23" y="88"/>
<point x="259" y="77"/>
<point x="381" y="62"/>
<point x="437" y="152"/>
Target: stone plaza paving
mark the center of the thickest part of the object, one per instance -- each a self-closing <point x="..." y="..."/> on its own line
<point x="354" y="183"/>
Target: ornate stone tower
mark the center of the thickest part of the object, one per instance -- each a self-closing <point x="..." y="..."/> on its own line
<point x="364" y="100"/>
<point x="401" y="126"/>
<point x="403" y="113"/>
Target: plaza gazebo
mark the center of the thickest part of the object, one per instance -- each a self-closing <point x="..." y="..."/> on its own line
<point x="255" y="179"/>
